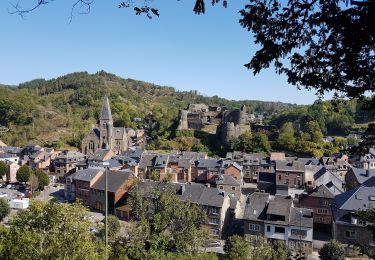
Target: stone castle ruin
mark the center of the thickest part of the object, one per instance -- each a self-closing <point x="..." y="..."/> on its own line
<point x="230" y="123"/>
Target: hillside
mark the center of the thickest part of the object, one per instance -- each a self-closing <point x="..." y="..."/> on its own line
<point x="60" y="111"/>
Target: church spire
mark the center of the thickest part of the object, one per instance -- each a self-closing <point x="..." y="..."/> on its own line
<point x="106" y="111"/>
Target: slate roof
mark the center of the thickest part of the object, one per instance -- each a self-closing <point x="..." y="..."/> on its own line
<point x="115" y="180"/>
<point x="256" y="206"/>
<point x="106" y="110"/>
<point x="70" y="155"/>
<point x="161" y="160"/>
<point x="291" y="166"/>
<point x="225" y="179"/>
<point x="194" y="155"/>
<point x="99" y="155"/>
<point x="362" y="175"/>
<point x="7" y="155"/>
<point x="280" y="206"/>
<point x="212" y="197"/>
<point x="147" y="160"/>
<point x="359" y="198"/>
<point x="301" y="217"/>
<point x="209" y="163"/>
<point x="184" y="163"/>
<point x="226" y="164"/>
<point x="87" y="174"/>
<point x="322" y="192"/>
<point x="96" y="131"/>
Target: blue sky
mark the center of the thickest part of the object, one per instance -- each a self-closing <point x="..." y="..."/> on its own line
<point x="179" y="49"/>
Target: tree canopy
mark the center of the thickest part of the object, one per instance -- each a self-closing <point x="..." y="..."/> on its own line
<point x="3" y="168"/>
<point x="23" y="174"/>
<point x="4" y="208"/>
<point x="50" y="231"/>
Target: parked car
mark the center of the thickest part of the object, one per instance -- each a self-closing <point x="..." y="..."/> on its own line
<point x="3" y="195"/>
<point x="214" y="244"/>
<point x="8" y="186"/>
<point x="2" y="185"/>
<point x="13" y="186"/>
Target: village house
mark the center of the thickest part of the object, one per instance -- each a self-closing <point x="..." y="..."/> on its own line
<point x="42" y="159"/>
<point x="119" y="183"/>
<point x="367" y="161"/>
<point x="276" y="218"/>
<point x="65" y="163"/>
<point x="290" y="173"/>
<point x="347" y="228"/>
<point x="293" y="225"/>
<point x="338" y="164"/>
<point x="215" y="202"/>
<point x="320" y="201"/>
<point x="83" y="181"/>
<point x="228" y="184"/>
<point x="357" y="176"/>
<point x="8" y="157"/>
<point x="255" y="214"/>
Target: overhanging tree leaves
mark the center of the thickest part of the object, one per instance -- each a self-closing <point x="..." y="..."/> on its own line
<point x="3" y="168"/>
<point x="321" y="45"/>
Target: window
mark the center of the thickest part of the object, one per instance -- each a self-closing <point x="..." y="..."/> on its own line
<point x="298" y="175"/>
<point x="213" y="221"/>
<point x="279" y="177"/>
<point x="350" y="234"/>
<point x="298" y="232"/>
<point x="322" y="211"/>
<point x="214" y="211"/>
<point x="220" y="187"/>
<point x="286" y="174"/>
<point x="215" y="232"/>
<point x="280" y="230"/>
<point x="268" y="228"/>
<point x="254" y="227"/>
<point x="324" y="203"/>
<point x="233" y="188"/>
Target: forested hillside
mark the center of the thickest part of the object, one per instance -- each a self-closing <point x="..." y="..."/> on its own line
<point x="60" y="111"/>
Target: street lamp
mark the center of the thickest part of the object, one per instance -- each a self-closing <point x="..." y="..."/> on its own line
<point x="106" y="164"/>
<point x="300" y="233"/>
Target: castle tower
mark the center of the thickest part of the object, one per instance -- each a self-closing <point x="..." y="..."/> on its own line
<point x="106" y="126"/>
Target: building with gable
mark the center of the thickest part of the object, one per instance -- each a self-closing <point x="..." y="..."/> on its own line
<point x="106" y="136"/>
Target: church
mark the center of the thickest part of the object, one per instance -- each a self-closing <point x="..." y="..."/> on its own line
<point x="106" y="136"/>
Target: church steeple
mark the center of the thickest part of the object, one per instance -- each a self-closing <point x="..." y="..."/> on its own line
<point x="106" y="126"/>
<point x="106" y="110"/>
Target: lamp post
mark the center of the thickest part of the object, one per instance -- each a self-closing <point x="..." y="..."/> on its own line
<point x="300" y="234"/>
<point x="106" y="164"/>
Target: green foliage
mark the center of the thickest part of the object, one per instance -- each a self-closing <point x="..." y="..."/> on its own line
<point x="43" y="178"/>
<point x="185" y="133"/>
<point x="247" y="142"/>
<point x="286" y="137"/>
<point x="114" y="227"/>
<point x="4" y="209"/>
<point x="155" y="175"/>
<point x="23" y="174"/>
<point x="3" y="168"/>
<point x="237" y="248"/>
<point x="254" y="248"/>
<point x="332" y="250"/>
<point x="164" y="224"/>
<point x="51" y="231"/>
